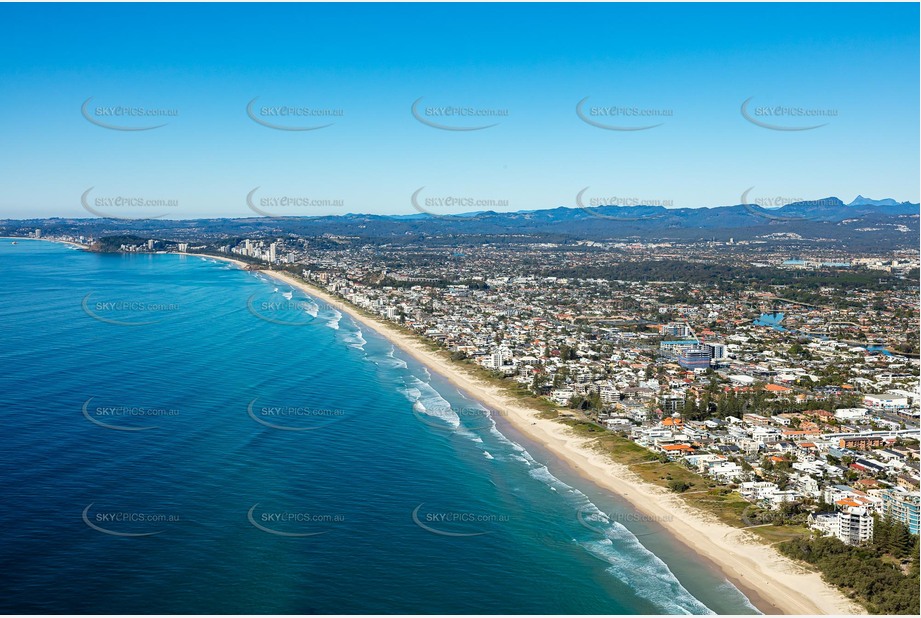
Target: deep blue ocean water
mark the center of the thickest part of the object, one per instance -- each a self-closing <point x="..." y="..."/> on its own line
<point x="180" y="436"/>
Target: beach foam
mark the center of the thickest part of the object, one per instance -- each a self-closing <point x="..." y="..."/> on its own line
<point x="645" y="573"/>
<point x="777" y="581"/>
<point x="396" y="362"/>
<point x="332" y="320"/>
<point x="647" y="576"/>
<point x="426" y="400"/>
<point x="355" y="339"/>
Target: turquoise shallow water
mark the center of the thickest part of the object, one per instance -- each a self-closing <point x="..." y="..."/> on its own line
<point x="183" y="436"/>
<point x="773" y="320"/>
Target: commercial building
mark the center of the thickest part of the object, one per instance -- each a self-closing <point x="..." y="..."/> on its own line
<point x="677" y="345"/>
<point x="885" y="402"/>
<point x="717" y="351"/>
<point x="695" y="358"/>
<point x="676" y="329"/>
<point x="849" y="414"/>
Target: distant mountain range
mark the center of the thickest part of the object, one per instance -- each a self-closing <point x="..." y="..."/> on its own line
<point x="864" y="221"/>
<point x="829" y="209"/>
<point x="865" y="201"/>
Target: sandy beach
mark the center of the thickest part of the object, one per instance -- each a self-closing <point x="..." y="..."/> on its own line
<point x="70" y="243"/>
<point x="773" y="583"/>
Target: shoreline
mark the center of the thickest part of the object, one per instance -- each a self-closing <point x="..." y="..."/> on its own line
<point x="772" y="583"/>
<point x="511" y="431"/>
<point x="63" y="242"/>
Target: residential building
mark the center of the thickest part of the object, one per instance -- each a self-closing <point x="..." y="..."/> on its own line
<point x="855" y="525"/>
<point x="902" y="506"/>
<point x="860" y="443"/>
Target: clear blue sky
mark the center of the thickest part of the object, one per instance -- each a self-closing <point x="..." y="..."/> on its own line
<point x="537" y="61"/>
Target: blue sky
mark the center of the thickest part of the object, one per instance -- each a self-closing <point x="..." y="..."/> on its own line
<point x="690" y="66"/>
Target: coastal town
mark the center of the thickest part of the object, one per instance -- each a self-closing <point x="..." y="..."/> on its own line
<point x="461" y="309"/>
<point x="786" y="402"/>
<point x="800" y="406"/>
<point x="787" y="382"/>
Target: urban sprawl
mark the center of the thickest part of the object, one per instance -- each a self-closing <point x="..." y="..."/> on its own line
<point x="801" y="399"/>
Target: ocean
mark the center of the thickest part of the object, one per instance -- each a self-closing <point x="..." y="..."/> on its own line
<point x="181" y="436"/>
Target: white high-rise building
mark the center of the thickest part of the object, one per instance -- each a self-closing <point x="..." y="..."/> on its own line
<point x="272" y="252"/>
<point x="500" y="356"/>
<point x="855" y="525"/>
